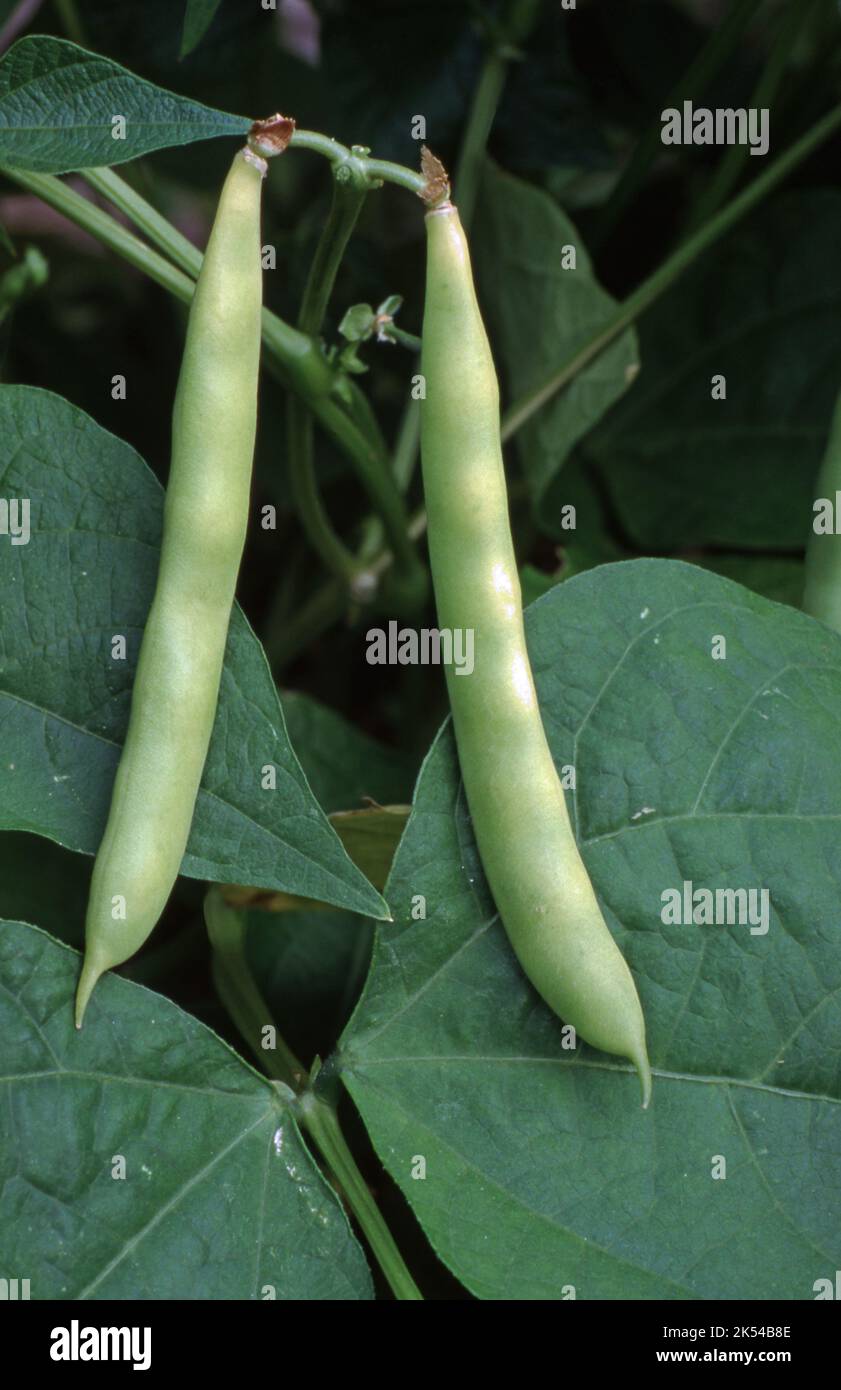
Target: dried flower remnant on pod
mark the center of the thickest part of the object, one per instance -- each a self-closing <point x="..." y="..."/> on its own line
<point x="271" y="136"/>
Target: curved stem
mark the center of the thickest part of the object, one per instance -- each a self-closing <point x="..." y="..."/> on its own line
<point x="375" y="170"/>
<point x="651" y="289"/>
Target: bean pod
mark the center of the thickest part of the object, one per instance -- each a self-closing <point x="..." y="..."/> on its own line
<point x="176" y="686"/>
<point x="516" y="801"/>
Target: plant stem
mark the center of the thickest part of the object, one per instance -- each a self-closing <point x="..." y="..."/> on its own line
<point x="346" y="205"/>
<point x="348" y="197"/>
<point x="226" y="928"/>
<point x="70" y="21"/>
<point x="726" y="175"/>
<point x="651" y="289"/>
<point x="340" y="561"/>
<point x="92" y="219"/>
<point x="694" y="81"/>
<point x="322" y="1125"/>
<point x="514" y="28"/>
<point x="320" y="610"/>
<point x="374" y="170"/>
<point x="146" y="218"/>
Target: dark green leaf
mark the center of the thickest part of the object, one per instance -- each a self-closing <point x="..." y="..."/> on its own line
<point x="539" y="312"/>
<point x="61" y="108"/>
<point x="762" y="311"/>
<point x="724" y="773"/>
<point x="219" y="1198"/>
<point x="87" y="573"/>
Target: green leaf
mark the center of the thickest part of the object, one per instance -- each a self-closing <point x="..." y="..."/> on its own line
<point x="86" y="574"/>
<point x="198" y="18"/>
<point x="59" y="106"/>
<point x="725" y="773"/>
<point x="357" y="325"/>
<point x="219" y="1197"/>
<point x="683" y="469"/>
<point x="539" y="313"/>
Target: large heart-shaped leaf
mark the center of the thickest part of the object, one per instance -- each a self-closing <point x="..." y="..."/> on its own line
<point x="86" y="573"/>
<point x="142" y="1159"/>
<point x="695" y="762"/>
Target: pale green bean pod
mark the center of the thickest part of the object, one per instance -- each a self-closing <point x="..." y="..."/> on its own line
<point x="176" y="686"/>
<point x="527" y="845"/>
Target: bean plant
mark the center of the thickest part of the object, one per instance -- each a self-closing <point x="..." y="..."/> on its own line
<point x="420" y="678"/>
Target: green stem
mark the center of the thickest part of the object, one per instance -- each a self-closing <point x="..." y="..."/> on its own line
<point x="406" y="446"/>
<point x="693" y="83"/>
<point x="226" y="928"/>
<point x="92" y="219"/>
<point x="726" y="175"/>
<point x="513" y="28"/>
<point x="296" y="357"/>
<point x="348" y="197"/>
<point x="146" y="218"/>
<point x="374" y="170"/>
<point x="406" y="340"/>
<point x="322" y="1125"/>
<point x="652" y="288"/>
<point x="70" y="21"/>
<point x="306" y="496"/>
